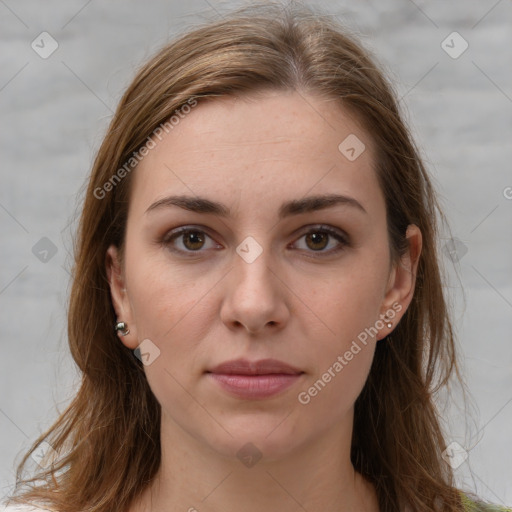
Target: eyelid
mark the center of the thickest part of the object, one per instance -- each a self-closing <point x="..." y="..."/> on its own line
<point x="326" y="228"/>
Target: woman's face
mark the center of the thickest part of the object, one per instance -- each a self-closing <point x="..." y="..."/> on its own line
<point x="265" y="271"/>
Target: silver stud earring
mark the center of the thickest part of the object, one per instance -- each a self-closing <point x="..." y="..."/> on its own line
<point x="388" y="324"/>
<point x="123" y="327"/>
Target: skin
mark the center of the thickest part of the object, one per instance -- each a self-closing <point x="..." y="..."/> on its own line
<point x="298" y="302"/>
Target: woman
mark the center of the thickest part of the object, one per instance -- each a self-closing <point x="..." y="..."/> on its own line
<point x="257" y="306"/>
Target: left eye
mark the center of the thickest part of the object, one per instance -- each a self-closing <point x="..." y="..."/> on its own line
<point x="319" y="239"/>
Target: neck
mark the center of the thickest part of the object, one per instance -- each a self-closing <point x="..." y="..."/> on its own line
<point x="314" y="476"/>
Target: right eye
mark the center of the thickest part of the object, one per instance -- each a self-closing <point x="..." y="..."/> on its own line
<point x="188" y="240"/>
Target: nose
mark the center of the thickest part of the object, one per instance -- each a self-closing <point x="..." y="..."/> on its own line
<point x="255" y="298"/>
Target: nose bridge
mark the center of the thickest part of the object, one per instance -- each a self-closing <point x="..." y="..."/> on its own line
<point x="254" y="296"/>
<point x="253" y="261"/>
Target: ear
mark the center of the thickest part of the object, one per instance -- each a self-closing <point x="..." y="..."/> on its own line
<point x="120" y="298"/>
<point x="401" y="283"/>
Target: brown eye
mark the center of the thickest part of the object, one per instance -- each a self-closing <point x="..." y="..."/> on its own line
<point x="317" y="240"/>
<point x="323" y="240"/>
<point x="188" y="241"/>
<point x="193" y="240"/>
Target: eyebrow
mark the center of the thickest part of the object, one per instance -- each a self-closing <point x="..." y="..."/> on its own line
<point x="294" y="207"/>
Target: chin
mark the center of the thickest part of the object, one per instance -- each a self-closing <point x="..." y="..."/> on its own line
<point x="266" y="440"/>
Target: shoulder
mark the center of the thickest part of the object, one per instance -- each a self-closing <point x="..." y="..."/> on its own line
<point x="471" y="504"/>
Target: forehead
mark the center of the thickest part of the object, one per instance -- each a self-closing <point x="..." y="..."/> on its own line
<point x="264" y="148"/>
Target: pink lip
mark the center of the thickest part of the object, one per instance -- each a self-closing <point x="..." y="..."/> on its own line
<point x="257" y="379"/>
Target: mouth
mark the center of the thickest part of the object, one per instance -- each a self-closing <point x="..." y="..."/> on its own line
<point x="261" y="367"/>
<point x="254" y="380"/>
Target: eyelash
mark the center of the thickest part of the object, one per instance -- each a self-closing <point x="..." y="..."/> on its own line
<point x="342" y="239"/>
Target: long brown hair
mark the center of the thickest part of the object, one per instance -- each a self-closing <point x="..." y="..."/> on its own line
<point x="107" y="440"/>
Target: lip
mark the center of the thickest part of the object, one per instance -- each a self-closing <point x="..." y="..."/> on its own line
<point x="261" y="367"/>
<point x="254" y="379"/>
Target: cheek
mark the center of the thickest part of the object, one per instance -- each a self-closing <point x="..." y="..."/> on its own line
<point x="172" y="307"/>
<point x="348" y="300"/>
<point x="341" y="368"/>
<point x="163" y="304"/>
<point x="348" y="306"/>
<point x="341" y="379"/>
<point x="160" y="293"/>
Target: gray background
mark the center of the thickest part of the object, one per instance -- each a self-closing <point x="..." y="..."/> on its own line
<point x="55" y="112"/>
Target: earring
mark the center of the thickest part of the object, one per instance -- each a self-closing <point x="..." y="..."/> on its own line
<point x="123" y="327"/>
<point x="389" y="324"/>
